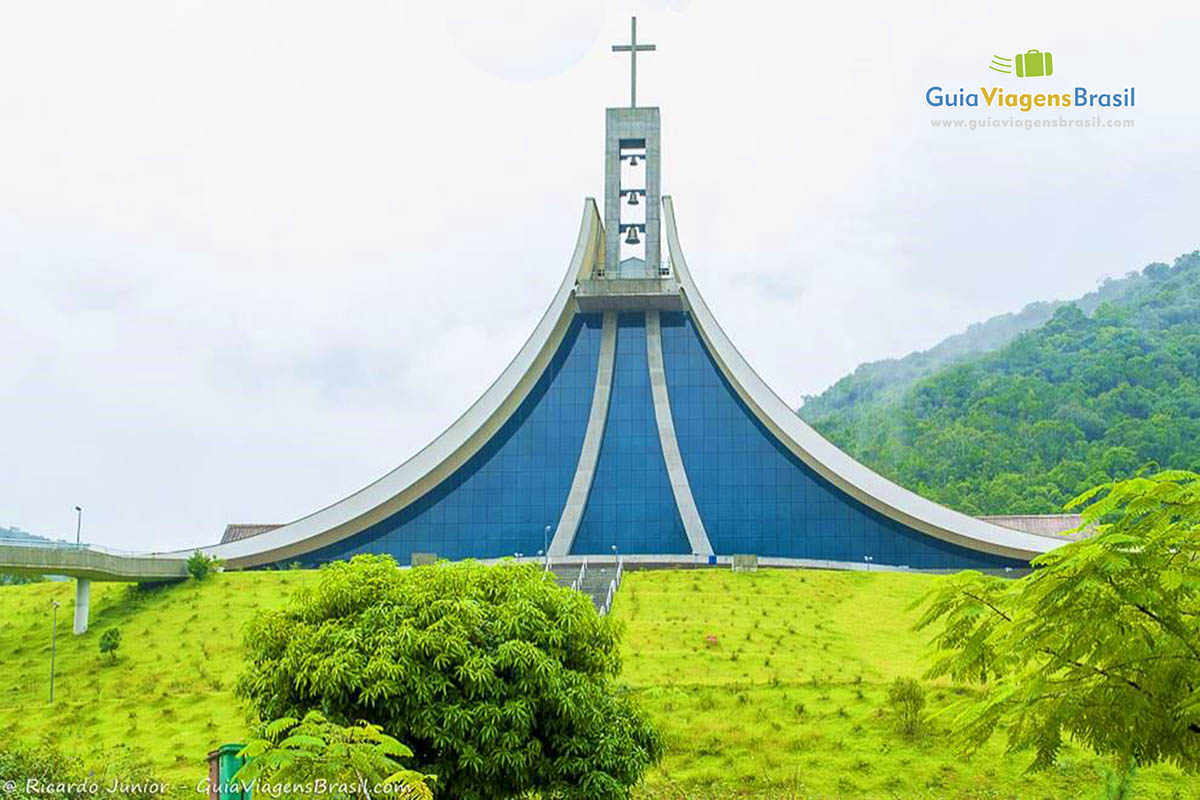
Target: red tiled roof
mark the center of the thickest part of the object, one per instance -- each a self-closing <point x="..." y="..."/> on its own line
<point x="236" y="531"/>
<point x="1060" y="525"/>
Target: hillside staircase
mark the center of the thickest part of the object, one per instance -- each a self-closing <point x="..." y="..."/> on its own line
<point x="598" y="581"/>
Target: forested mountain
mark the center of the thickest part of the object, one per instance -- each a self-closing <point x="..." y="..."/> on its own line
<point x="9" y="579"/>
<point x="880" y="380"/>
<point x="1103" y="386"/>
<point x="17" y="533"/>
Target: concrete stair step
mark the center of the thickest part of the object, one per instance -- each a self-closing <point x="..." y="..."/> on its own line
<point x="596" y="579"/>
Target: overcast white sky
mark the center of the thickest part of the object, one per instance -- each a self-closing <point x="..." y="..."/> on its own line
<point x="253" y="255"/>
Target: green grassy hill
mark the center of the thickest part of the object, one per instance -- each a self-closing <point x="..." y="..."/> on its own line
<point x="1092" y="394"/>
<point x="788" y="701"/>
<point x="169" y="694"/>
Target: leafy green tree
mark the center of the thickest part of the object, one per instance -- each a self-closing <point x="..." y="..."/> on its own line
<point x="110" y="640"/>
<point x="1118" y="461"/>
<point x="1100" y="643"/>
<point x="1053" y="439"/>
<point x="500" y="681"/>
<point x="200" y="566"/>
<point x="336" y="761"/>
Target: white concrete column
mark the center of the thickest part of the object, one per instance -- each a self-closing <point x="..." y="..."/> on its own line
<point x="585" y="470"/>
<point x="83" y="598"/>
<point x="693" y="525"/>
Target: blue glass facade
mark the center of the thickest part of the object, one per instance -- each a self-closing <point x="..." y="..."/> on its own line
<point x="500" y="501"/>
<point x="631" y="504"/>
<point x="755" y="496"/>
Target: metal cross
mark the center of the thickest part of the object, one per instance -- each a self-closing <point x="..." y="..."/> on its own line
<point x="632" y="48"/>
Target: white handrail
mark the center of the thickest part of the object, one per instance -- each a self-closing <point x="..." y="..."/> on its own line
<point x="582" y="572"/>
<point x="612" y="587"/>
<point x="59" y="545"/>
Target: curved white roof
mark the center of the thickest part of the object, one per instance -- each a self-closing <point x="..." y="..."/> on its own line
<point x="466" y="436"/>
<point x="855" y="479"/>
<point x="443" y="455"/>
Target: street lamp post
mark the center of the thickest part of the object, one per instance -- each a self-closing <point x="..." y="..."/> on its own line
<point x="868" y="559"/>
<point x="546" y="542"/>
<point x="78" y="523"/>
<point x="53" y="644"/>
<point x="614" y="549"/>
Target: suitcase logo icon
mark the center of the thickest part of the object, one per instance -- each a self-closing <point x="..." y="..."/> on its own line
<point x="1030" y="64"/>
<point x="1034" y="64"/>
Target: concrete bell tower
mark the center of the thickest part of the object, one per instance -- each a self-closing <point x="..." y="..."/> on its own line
<point x="632" y="176"/>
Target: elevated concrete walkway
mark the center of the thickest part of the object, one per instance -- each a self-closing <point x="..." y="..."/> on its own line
<point x="87" y="563"/>
<point x="90" y="562"/>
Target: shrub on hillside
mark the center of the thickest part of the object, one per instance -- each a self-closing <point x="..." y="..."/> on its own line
<point x="110" y="640"/>
<point x="35" y="772"/>
<point x="200" y="566"/>
<point x="906" y="697"/>
<point x="501" y="682"/>
<point x="20" y="764"/>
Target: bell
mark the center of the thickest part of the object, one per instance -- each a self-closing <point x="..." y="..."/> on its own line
<point x="632" y="237"/>
<point x="633" y="201"/>
<point x="633" y="161"/>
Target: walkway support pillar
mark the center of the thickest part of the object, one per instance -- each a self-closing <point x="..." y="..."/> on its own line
<point x="83" y="599"/>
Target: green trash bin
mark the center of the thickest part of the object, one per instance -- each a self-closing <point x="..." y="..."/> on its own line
<point x="228" y="763"/>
